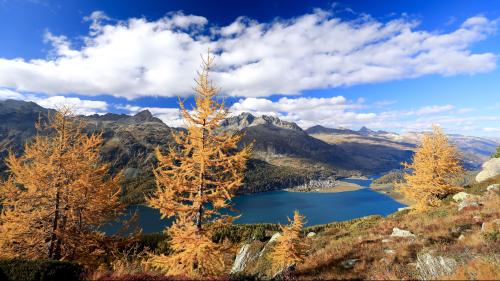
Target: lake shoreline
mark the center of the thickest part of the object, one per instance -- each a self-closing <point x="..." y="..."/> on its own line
<point x="344" y="186"/>
<point x="388" y="189"/>
<point x="340" y="186"/>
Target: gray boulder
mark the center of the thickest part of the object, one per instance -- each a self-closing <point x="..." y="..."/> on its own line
<point x="468" y="204"/>
<point x="389" y="251"/>
<point x="311" y="234"/>
<point x="241" y="259"/>
<point x="284" y="273"/>
<point x="461" y="196"/>
<point x="348" y="264"/>
<point x="396" y="232"/>
<point x="491" y="168"/>
<point x="430" y="267"/>
<point x="247" y="254"/>
<point x="493" y="187"/>
<point x="275" y="237"/>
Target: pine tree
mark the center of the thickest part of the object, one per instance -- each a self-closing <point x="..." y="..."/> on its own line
<point x="435" y="166"/>
<point x="57" y="195"/>
<point x="195" y="182"/>
<point x="290" y="248"/>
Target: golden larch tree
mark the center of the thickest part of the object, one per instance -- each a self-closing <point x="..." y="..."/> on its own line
<point x="195" y="181"/>
<point x="290" y="247"/>
<point x="58" y="194"/>
<point x="435" y="167"/>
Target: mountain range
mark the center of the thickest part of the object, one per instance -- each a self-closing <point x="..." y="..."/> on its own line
<point x="284" y="154"/>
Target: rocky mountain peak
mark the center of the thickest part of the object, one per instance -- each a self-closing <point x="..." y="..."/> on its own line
<point x="245" y="120"/>
<point x="9" y="106"/>
<point x="145" y="116"/>
<point x="365" y="131"/>
<point x="318" y="129"/>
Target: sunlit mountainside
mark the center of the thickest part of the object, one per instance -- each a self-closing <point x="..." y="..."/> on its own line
<point x="249" y="140"/>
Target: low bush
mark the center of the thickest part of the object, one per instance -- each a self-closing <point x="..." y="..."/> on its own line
<point x="39" y="270"/>
<point x="159" y="243"/>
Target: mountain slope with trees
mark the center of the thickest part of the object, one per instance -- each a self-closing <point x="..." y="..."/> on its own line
<point x="285" y="153"/>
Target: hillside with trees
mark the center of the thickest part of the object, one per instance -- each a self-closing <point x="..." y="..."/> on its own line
<point x="60" y="189"/>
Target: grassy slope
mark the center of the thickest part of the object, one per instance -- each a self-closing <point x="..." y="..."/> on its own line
<point x="368" y="240"/>
<point x="436" y="232"/>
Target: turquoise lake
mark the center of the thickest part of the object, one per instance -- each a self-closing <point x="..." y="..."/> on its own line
<point x="276" y="206"/>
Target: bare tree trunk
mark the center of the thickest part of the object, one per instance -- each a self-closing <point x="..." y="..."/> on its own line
<point x="53" y="236"/>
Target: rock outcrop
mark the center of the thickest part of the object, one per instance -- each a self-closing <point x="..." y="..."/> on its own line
<point x="311" y="234"/>
<point x="490" y="169"/>
<point x="247" y="253"/>
<point x="431" y="267"/>
<point x="493" y="187"/>
<point x="461" y="196"/>
<point x="470" y="203"/>
<point x="396" y="232"/>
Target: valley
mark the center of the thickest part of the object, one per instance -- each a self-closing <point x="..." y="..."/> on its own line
<point x="284" y="154"/>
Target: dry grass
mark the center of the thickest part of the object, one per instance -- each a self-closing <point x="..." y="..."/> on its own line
<point x="476" y="269"/>
<point x="443" y="230"/>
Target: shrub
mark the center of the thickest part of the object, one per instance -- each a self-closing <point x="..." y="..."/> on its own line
<point x="259" y="233"/>
<point x="238" y="233"/>
<point x="39" y="270"/>
<point x="157" y="242"/>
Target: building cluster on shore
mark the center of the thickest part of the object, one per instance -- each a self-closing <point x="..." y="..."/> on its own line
<point x="315" y="185"/>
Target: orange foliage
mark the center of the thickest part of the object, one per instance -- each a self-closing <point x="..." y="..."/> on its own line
<point x="195" y="182"/>
<point x="436" y="164"/>
<point x="57" y="195"/>
<point x="290" y="248"/>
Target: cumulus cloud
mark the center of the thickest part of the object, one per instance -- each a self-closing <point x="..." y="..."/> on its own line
<point x="490" y="129"/>
<point x="306" y="112"/>
<point x="434" y="109"/>
<point x="138" y="57"/>
<point x="77" y="105"/>
<point x="170" y="116"/>
<point x="6" y="94"/>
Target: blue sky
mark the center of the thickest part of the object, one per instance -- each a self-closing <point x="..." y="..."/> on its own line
<point x="389" y="65"/>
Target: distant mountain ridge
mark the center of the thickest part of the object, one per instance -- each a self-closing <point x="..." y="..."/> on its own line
<point x="284" y="154"/>
<point x="475" y="150"/>
<point x="245" y="120"/>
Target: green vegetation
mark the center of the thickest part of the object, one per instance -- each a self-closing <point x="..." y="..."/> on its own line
<point x="39" y="270"/>
<point x="259" y="177"/>
<point x="395" y="176"/>
<point x="497" y="153"/>
<point x="262" y="176"/>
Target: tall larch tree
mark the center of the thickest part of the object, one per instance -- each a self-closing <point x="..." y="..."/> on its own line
<point x="58" y="194"/>
<point x="290" y="247"/>
<point x="195" y="181"/>
<point x="434" y="168"/>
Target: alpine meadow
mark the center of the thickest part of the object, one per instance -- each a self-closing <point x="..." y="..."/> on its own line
<point x="318" y="140"/>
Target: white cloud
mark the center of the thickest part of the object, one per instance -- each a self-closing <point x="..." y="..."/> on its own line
<point x="489" y="129"/>
<point x="434" y="109"/>
<point x="137" y="57"/>
<point x="6" y="94"/>
<point x="169" y="116"/>
<point x="306" y="112"/>
<point x="340" y="112"/>
<point x="77" y="105"/>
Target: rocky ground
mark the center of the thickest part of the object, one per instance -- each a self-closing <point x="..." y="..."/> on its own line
<point x="458" y="240"/>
